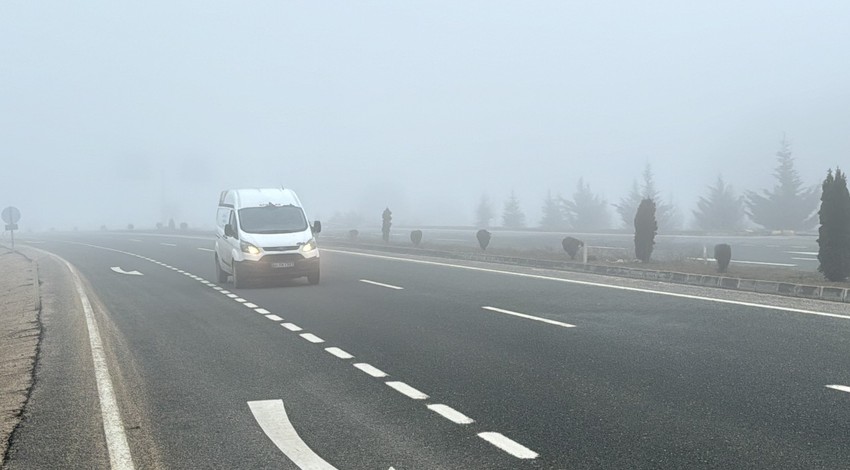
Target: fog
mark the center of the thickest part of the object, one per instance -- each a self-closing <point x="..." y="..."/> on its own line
<point x="116" y="112"/>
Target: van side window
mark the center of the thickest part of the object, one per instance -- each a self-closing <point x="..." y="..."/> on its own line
<point x="222" y="216"/>
<point x="233" y="223"/>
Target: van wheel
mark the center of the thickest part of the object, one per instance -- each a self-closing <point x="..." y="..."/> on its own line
<point x="238" y="279"/>
<point x="220" y="274"/>
<point x="313" y="278"/>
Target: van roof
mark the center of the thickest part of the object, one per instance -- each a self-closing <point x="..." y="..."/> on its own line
<point x="255" y="197"/>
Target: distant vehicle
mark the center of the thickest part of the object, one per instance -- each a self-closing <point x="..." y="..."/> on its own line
<point x="264" y="233"/>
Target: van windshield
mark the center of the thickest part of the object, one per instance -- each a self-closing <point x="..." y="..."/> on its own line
<point x="272" y="219"/>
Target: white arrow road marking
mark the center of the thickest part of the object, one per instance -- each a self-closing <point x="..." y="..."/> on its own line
<point x="121" y="271"/>
<point x="271" y="416"/>
<point x="530" y="317"/>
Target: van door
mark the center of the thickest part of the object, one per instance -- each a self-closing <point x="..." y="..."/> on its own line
<point x="224" y="244"/>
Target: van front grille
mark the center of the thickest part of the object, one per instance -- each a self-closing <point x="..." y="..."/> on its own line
<point x="280" y="248"/>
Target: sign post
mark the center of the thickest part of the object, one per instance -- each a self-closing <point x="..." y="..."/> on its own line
<point x="11" y="215"/>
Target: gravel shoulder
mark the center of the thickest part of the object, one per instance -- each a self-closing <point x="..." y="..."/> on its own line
<point x="20" y="330"/>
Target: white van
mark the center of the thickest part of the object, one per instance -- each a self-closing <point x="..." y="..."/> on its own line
<point x="262" y="233"/>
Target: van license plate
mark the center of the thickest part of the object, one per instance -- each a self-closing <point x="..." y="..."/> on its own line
<point x="283" y="265"/>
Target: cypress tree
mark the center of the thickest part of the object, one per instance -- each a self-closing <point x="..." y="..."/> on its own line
<point x="834" y="231"/>
<point x="645" y="229"/>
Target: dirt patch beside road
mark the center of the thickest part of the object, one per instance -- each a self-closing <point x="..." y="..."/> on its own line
<point x="19" y="336"/>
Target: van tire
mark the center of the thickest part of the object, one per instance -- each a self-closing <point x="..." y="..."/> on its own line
<point x="238" y="279"/>
<point x="313" y="278"/>
<point x="220" y="274"/>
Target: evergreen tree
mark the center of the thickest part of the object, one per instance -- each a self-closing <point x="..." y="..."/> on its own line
<point x="646" y="227"/>
<point x="721" y="209"/>
<point x="484" y="212"/>
<point x="512" y="215"/>
<point x="666" y="214"/>
<point x="554" y="217"/>
<point x="790" y="206"/>
<point x="387" y="222"/>
<point x="834" y="232"/>
<point x="587" y="211"/>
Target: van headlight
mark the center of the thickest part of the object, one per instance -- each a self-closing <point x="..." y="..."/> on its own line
<point x="309" y="246"/>
<point x="249" y="248"/>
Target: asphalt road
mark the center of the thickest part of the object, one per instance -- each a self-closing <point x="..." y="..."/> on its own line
<point x="611" y="378"/>
<point x="789" y="251"/>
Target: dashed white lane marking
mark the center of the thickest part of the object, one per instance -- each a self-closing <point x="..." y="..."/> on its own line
<point x="291" y="326"/>
<point x="113" y="427"/>
<point x="168" y="244"/>
<point x="451" y="414"/>
<point x="232" y="296"/>
<point x="205" y="249"/>
<point x="261" y="310"/>
<point x="840" y="388"/>
<point x="274" y="318"/>
<point x="373" y="371"/>
<point x="218" y="288"/>
<point x="339" y="353"/>
<point x="250" y="305"/>
<point x="312" y="338"/>
<point x="529" y="317"/>
<point x="240" y="300"/>
<point x="380" y="284"/>
<point x="407" y="390"/>
<point x="225" y="291"/>
<point x="514" y="448"/>
<point x="272" y="418"/>
<point x="597" y="284"/>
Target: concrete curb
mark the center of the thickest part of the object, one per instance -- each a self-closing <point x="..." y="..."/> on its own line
<point x="832" y="294"/>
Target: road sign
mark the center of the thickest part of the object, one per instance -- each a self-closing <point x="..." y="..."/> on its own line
<point x="11" y="215"/>
<point x="11" y="226"/>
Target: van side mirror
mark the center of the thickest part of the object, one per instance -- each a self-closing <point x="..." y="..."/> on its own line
<point x="317" y="227"/>
<point x="228" y="231"/>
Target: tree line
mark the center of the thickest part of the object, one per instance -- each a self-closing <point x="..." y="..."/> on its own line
<point x="789" y="205"/>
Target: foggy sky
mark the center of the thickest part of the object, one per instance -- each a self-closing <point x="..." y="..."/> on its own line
<point x="118" y="112"/>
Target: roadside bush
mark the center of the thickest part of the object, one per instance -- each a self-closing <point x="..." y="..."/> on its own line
<point x="834" y="231"/>
<point x="416" y="237"/>
<point x="352" y="234"/>
<point x="723" y="255"/>
<point x="645" y="229"/>
<point x="483" y="237"/>
<point x="184" y="226"/>
<point x="159" y="225"/>
<point x="130" y="227"/>
<point x="571" y="246"/>
<point x="103" y="228"/>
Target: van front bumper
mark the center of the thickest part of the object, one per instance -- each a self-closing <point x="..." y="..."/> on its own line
<point x="282" y="265"/>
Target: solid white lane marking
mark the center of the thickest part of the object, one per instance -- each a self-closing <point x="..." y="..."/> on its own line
<point x="291" y="326"/>
<point x="530" y="317"/>
<point x="168" y="244"/>
<point x="840" y="388"/>
<point x="274" y="318"/>
<point x="312" y="338"/>
<point x="250" y="305"/>
<point x="205" y="249"/>
<point x="517" y="450"/>
<point x="734" y="261"/>
<point x="808" y="253"/>
<point x="599" y="284"/>
<point x="451" y="414"/>
<point x="379" y="284"/>
<point x="134" y="240"/>
<point x="373" y="371"/>
<point x="121" y="271"/>
<point x="339" y="353"/>
<point x="113" y="427"/>
<point x="407" y="390"/>
<point x="261" y="310"/>
<point x="806" y="259"/>
<point x="272" y="418"/>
